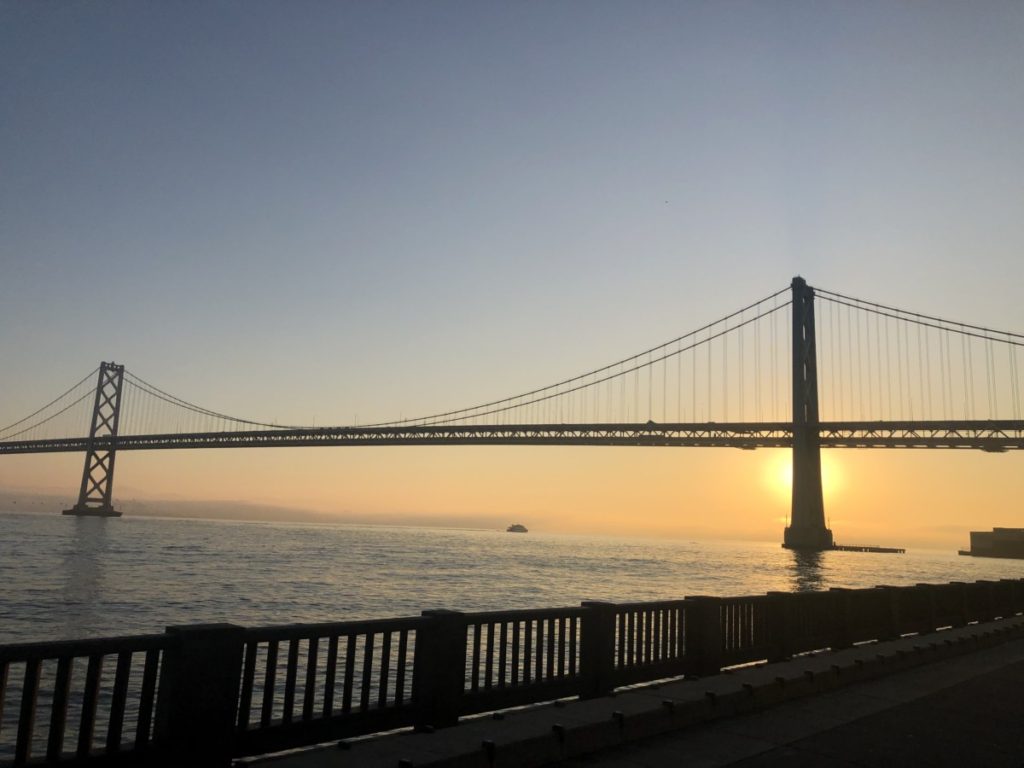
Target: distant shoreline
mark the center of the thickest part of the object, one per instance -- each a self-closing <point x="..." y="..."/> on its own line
<point x="236" y="511"/>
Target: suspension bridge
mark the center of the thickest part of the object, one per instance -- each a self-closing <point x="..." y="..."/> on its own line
<point x="803" y="368"/>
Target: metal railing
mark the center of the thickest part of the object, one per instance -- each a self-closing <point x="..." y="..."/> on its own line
<point x="78" y="699"/>
<point x="204" y="694"/>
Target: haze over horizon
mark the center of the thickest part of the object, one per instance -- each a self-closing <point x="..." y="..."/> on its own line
<point x="349" y="213"/>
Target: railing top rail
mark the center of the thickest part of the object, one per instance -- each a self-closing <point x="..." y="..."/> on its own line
<point x="333" y="628"/>
<point x="652" y="604"/>
<point x="55" y="649"/>
<point x="520" y="614"/>
<point x="743" y="598"/>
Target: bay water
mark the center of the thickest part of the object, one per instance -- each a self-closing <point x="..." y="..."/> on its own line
<point x="66" y="578"/>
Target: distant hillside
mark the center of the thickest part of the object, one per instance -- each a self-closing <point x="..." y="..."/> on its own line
<point x="43" y="503"/>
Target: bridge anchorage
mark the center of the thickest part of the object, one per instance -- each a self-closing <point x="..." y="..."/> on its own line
<point x="94" y="498"/>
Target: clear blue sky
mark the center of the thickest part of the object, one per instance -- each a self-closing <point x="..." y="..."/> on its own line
<point x="313" y="210"/>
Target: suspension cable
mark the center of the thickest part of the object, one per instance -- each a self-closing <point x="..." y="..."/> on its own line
<point x="472" y="411"/>
<point x="59" y="397"/>
<point x="839" y="296"/>
<point x="156" y="392"/>
<point x="50" y="418"/>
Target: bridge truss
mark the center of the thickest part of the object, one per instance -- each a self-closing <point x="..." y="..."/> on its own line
<point x="992" y="436"/>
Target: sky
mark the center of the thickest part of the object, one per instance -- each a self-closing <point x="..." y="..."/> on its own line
<point x="337" y="212"/>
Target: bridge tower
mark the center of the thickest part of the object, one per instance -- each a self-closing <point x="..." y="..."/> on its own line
<point x="806" y="529"/>
<point x="98" y="475"/>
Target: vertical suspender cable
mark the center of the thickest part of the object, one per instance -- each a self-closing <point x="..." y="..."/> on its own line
<point x="949" y="374"/>
<point x="993" y="403"/>
<point x="888" y="369"/>
<point x="741" y="378"/>
<point x="944" y="365"/>
<point x="867" y="359"/>
<point x="860" y="370"/>
<point x="920" y="367"/>
<point x="964" y="365"/>
<point x="708" y="342"/>
<point x="928" y="370"/>
<point x="832" y="357"/>
<point x="664" y="388"/>
<point x="636" y="395"/>
<point x="623" y="413"/>
<point x="789" y="357"/>
<point x="679" y="381"/>
<point x="827" y="363"/>
<point x="650" y="388"/>
<point x="849" y="350"/>
<point x="1011" y="350"/>
<point x="725" y="373"/>
<point x="899" y="366"/>
<point x="775" y="361"/>
<point x="878" y="362"/>
<point x="693" y="382"/>
<point x="757" y="366"/>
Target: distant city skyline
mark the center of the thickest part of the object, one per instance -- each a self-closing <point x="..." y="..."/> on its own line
<point x="339" y="213"/>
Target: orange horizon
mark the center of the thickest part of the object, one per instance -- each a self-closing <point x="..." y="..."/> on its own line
<point x="898" y="498"/>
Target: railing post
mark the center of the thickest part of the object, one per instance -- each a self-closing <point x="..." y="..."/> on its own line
<point x="703" y="635"/>
<point x="892" y="628"/>
<point x="778" y="626"/>
<point x="930" y="620"/>
<point x="198" y="694"/>
<point x="1016" y="595"/>
<point x="439" y="669"/>
<point x="962" y="591"/>
<point x="842" y="619"/>
<point x="1007" y="601"/>
<point x="597" y="649"/>
<point x="987" y="607"/>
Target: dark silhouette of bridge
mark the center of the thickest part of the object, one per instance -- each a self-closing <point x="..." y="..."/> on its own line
<point x="745" y="381"/>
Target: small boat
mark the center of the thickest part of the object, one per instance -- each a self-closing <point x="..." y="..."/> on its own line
<point x="516" y="528"/>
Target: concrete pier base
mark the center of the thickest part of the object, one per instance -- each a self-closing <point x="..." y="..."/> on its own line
<point x="807" y="538"/>
<point x="78" y="511"/>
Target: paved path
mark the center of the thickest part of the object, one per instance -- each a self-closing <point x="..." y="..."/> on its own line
<point x="947" y="698"/>
<point x="961" y="712"/>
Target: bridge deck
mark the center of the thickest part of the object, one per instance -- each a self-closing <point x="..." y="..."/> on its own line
<point x="983" y="435"/>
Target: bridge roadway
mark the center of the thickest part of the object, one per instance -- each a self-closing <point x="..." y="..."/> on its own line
<point x="993" y="436"/>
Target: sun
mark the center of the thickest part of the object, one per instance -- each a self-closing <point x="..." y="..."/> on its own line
<point x="780" y="475"/>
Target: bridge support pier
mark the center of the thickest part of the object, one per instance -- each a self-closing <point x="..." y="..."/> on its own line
<point x="806" y="530"/>
<point x="94" y="497"/>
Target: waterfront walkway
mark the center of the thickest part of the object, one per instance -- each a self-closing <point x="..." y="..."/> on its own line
<point x="944" y="698"/>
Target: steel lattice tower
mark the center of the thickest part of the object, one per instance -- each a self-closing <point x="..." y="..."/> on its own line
<point x="98" y="474"/>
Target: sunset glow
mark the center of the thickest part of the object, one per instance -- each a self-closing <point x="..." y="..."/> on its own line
<point x="445" y="205"/>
